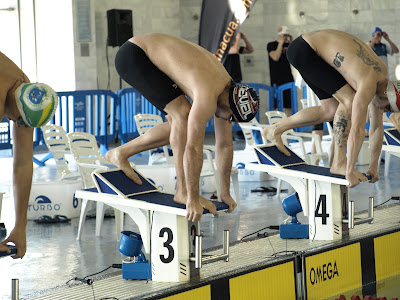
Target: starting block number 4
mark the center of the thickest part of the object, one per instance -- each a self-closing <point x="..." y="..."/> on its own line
<point x="321" y="206"/>
<point x="172" y="242"/>
<point x="325" y="207"/>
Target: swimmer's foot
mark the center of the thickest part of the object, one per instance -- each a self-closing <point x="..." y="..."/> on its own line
<point x="207" y="204"/>
<point x="337" y="169"/>
<point x="269" y="133"/>
<point x="114" y="158"/>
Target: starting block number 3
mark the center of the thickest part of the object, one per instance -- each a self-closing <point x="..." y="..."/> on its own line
<point x="167" y="245"/>
<point x="172" y="240"/>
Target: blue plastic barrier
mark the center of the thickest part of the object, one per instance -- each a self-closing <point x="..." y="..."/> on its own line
<point x="130" y="103"/>
<point x="92" y="111"/>
<point x="106" y="114"/>
<point x="5" y="134"/>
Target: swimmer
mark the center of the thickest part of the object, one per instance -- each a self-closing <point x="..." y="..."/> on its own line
<point x="166" y="70"/>
<point x="27" y="105"/>
<point x="348" y="77"/>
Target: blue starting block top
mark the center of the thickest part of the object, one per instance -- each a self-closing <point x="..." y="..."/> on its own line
<point x="270" y="155"/>
<point x="115" y="182"/>
<point x="392" y="137"/>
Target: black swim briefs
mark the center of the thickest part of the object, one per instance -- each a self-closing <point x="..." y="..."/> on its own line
<point x="322" y="78"/>
<point x="135" y="68"/>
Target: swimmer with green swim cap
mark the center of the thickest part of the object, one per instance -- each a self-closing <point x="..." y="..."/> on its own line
<point x="36" y="102"/>
<point x="26" y="105"/>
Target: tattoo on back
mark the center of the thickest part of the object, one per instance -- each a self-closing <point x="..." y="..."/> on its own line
<point x="338" y="60"/>
<point x="363" y="54"/>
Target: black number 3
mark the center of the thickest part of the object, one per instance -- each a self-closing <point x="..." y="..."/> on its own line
<point x="167" y="244"/>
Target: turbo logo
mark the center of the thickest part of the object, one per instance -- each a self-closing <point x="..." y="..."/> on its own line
<point x="43" y="203"/>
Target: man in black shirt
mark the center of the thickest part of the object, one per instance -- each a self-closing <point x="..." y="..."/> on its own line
<point x="232" y="62"/>
<point x="279" y="67"/>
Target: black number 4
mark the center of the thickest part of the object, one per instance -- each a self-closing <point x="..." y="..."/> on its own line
<point x="167" y="244"/>
<point x="323" y="214"/>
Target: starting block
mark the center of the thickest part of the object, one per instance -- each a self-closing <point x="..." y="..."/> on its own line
<point x="323" y="195"/>
<point x="391" y="144"/>
<point x="168" y="237"/>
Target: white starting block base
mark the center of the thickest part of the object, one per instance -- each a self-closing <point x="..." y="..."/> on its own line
<point x="323" y="196"/>
<point x="54" y="198"/>
<point x="168" y="237"/>
<point x="172" y="239"/>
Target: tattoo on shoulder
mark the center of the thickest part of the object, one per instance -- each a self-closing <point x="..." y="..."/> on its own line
<point x="363" y="54"/>
<point x="337" y="61"/>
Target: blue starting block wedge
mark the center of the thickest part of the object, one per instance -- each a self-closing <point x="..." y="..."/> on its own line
<point x="270" y="155"/>
<point x="117" y="183"/>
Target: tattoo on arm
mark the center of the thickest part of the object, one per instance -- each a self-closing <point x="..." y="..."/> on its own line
<point x="363" y="54"/>
<point x="338" y="60"/>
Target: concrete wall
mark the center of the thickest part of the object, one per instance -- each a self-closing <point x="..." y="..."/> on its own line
<point x="182" y="17"/>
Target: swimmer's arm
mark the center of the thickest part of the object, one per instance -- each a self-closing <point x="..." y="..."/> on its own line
<point x="375" y="136"/>
<point x="360" y="104"/>
<point x="199" y="115"/>
<point x="22" y="180"/>
<point x="223" y="153"/>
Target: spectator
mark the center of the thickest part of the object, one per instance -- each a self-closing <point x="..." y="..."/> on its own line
<point x="279" y="67"/>
<point x="232" y="62"/>
<point x="382" y="49"/>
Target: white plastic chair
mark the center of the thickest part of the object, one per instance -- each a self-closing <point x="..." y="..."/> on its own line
<point x="326" y="137"/>
<point x="248" y="129"/>
<point x="144" y="122"/>
<point x="85" y="150"/>
<point x="56" y="141"/>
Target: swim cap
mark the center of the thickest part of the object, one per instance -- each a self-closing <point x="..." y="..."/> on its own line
<point x="392" y="93"/>
<point x="283" y="30"/>
<point x="376" y="30"/>
<point x="36" y="102"/>
<point x="244" y="102"/>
